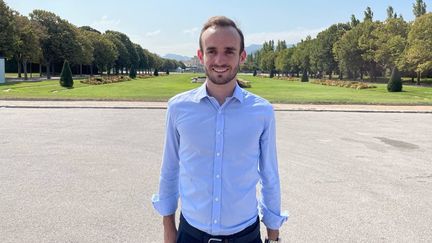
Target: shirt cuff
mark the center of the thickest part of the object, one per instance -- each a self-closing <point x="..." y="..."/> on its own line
<point x="165" y="206"/>
<point x="272" y="220"/>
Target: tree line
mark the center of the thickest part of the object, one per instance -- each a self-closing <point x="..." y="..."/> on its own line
<point x="46" y="39"/>
<point x="355" y="49"/>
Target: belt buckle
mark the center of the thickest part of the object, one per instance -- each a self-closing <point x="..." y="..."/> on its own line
<point x="214" y="240"/>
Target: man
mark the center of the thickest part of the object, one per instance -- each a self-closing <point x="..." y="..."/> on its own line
<point x="220" y="142"/>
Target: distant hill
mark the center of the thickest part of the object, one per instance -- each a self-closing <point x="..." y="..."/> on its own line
<point x="177" y="57"/>
<point x="252" y="48"/>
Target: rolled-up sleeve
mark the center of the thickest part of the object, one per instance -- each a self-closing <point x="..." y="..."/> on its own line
<point x="166" y="201"/>
<point x="270" y="201"/>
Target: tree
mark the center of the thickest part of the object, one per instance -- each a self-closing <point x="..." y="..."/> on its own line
<point x="105" y="52"/>
<point x="418" y="52"/>
<point x="419" y="8"/>
<point x="129" y="55"/>
<point x="84" y="56"/>
<point x="354" y="21"/>
<point x="325" y="42"/>
<point x="27" y="43"/>
<point x="123" y="59"/>
<point x="7" y="30"/>
<point x="368" y="14"/>
<point x="395" y="82"/>
<point x="61" y="42"/>
<point x="282" y="62"/>
<point x="66" y="76"/>
<point x="391" y="39"/>
<point x="390" y="13"/>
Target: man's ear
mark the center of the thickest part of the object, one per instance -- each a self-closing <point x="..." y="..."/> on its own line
<point x="200" y="56"/>
<point x="243" y="57"/>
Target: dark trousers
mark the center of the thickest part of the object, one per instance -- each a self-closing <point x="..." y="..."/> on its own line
<point x="189" y="234"/>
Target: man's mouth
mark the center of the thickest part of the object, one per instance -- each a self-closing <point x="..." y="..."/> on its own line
<point x="220" y="69"/>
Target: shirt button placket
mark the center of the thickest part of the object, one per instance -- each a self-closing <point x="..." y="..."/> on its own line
<point x="217" y="170"/>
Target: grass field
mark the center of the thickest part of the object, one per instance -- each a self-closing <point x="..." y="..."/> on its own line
<point x="163" y="87"/>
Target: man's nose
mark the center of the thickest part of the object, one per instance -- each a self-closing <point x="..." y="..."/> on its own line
<point x="220" y="59"/>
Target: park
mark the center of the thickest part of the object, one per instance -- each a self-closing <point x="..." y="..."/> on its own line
<point x="82" y="115"/>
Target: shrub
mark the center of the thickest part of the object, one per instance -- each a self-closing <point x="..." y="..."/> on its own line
<point x="243" y="83"/>
<point x="395" y="82"/>
<point x="66" y="76"/>
<point x="133" y="72"/>
<point x="156" y="73"/>
<point x="254" y="73"/>
<point x="105" y="80"/>
<point x="305" y="77"/>
<point x="271" y="73"/>
<point x="346" y="84"/>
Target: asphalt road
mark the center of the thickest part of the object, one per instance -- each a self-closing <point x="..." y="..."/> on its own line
<point x="87" y="175"/>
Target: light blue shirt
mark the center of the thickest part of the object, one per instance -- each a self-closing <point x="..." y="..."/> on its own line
<point x="214" y="156"/>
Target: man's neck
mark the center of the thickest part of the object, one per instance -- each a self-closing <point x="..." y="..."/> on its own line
<point x="221" y="92"/>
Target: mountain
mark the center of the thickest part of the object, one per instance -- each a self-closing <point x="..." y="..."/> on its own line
<point x="252" y="48"/>
<point x="177" y="57"/>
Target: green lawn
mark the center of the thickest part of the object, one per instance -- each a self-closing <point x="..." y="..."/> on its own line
<point x="163" y="87"/>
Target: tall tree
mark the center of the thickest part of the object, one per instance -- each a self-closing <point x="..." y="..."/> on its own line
<point x="27" y="45"/>
<point x="391" y="39"/>
<point x="60" y="43"/>
<point x="419" y="8"/>
<point x="325" y="42"/>
<point x="7" y="30"/>
<point x="418" y="53"/>
<point x="368" y="14"/>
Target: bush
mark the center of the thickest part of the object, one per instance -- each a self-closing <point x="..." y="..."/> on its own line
<point x="271" y="73"/>
<point x="395" y="82"/>
<point x="345" y="84"/>
<point x="243" y="83"/>
<point x="66" y="76"/>
<point x="254" y="73"/>
<point x="305" y="77"/>
<point x="133" y="72"/>
<point x="105" y="80"/>
<point x="156" y="73"/>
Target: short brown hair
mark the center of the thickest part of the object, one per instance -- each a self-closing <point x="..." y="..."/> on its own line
<point x="221" y="21"/>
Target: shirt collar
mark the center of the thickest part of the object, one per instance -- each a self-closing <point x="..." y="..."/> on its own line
<point x="202" y="93"/>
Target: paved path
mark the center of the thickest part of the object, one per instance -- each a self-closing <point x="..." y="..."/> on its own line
<point x="87" y="175"/>
<point x="162" y="105"/>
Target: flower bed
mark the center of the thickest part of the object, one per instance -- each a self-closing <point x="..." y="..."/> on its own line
<point x="346" y="84"/>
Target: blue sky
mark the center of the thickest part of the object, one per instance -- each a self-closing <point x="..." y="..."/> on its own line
<point x="163" y="26"/>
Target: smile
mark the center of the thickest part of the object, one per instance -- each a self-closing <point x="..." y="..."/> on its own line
<point x="220" y="70"/>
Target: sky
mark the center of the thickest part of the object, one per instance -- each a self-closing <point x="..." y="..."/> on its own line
<point x="164" y="26"/>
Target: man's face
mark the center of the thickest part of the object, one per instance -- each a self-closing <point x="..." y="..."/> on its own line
<point x="221" y="55"/>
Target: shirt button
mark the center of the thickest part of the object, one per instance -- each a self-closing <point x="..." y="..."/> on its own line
<point x="217" y="176"/>
<point x="215" y="221"/>
<point x="218" y="133"/>
<point x="217" y="154"/>
<point x="216" y="199"/>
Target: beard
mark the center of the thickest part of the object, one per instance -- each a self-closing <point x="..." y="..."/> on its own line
<point x="219" y="79"/>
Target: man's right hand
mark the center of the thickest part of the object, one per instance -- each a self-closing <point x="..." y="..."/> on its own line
<point x="170" y="230"/>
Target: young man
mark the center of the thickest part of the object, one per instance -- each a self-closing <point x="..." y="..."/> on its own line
<point x="220" y="142"/>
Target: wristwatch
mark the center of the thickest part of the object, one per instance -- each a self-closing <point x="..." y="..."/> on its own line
<point x="279" y="240"/>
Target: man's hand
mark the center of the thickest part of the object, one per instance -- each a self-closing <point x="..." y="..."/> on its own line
<point x="272" y="234"/>
<point x="170" y="230"/>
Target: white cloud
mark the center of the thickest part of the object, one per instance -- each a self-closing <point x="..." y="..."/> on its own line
<point x="153" y="33"/>
<point x="191" y="31"/>
<point x="105" y="23"/>
<point x="291" y="37"/>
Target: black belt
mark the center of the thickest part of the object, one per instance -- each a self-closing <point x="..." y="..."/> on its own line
<point x="247" y="235"/>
